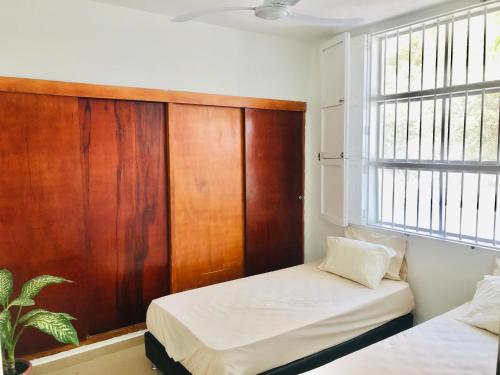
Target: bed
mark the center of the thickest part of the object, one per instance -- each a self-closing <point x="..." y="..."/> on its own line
<point x="282" y="321"/>
<point x="442" y="345"/>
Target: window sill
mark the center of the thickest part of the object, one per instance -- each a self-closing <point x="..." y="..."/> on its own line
<point x="440" y="238"/>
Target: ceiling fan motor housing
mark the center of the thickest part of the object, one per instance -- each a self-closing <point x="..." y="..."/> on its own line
<point x="272" y="12"/>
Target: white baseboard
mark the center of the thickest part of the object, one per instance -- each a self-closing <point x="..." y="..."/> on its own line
<point x="84" y="349"/>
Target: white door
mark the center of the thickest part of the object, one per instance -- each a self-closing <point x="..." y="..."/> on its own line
<point x="334" y="119"/>
<point x="332" y="66"/>
<point x="333" y="192"/>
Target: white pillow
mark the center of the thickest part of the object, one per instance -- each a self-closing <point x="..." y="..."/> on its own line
<point x="496" y="270"/>
<point x="397" y="268"/>
<point x="484" y="309"/>
<point x="360" y="261"/>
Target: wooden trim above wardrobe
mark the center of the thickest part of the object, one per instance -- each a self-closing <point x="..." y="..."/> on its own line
<point x="85" y="90"/>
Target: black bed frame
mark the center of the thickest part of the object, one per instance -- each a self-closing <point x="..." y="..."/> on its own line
<point x="156" y="353"/>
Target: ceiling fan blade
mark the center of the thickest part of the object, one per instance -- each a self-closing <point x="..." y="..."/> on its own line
<point x="291" y="3"/>
<point x="315" y="21"/>
<point x="205" y="12"/>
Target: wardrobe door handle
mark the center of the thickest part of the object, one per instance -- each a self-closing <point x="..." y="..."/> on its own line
<point x="300" y="197"/>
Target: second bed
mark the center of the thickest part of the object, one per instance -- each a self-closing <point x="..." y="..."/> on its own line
<point x="443" y="345"/>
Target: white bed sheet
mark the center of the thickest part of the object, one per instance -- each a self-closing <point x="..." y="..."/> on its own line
<point x="253" y="324"/>
<point x="440" y="346"/>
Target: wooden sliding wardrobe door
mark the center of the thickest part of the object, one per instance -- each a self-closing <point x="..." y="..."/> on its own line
<point x="41" y="205"/>
<point x="206" y="195"/>
<point x="274" y="149"/>
<point x="123" y="156"/>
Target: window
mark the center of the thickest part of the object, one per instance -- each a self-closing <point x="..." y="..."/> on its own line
<point x="434" y="127"/>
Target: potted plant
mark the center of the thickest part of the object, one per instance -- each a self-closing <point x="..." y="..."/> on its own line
<point x="12" y="323"/>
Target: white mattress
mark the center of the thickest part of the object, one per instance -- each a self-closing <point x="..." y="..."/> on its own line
<point x="439" y="346"/>
<point x="253" y="324"/>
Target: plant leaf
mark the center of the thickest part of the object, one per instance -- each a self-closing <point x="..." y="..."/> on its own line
<point x="6" y="285"/>
<point x="67" y="316"/>
<point x="33" y="312"/>
<point x="55" y="325"/>
<point x="4" y="319"/>
<point x="23" y="319"/>
<point x="31" y="288"/>
<point x="4" y="329"/>
<point x="21" y="301"/>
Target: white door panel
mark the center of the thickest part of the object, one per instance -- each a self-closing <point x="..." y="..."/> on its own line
<point x="332" y="130"/>
<point x="334" y="120"/>
<point x="332" y="73"/>
<point x="333" y="192"/>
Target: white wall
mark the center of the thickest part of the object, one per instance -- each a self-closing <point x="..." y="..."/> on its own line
<point x="444" y="275"/>
<point x="80" y="40"/>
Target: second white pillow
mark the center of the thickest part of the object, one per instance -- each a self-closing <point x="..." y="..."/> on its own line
<point x="484" y="309"/>
<point x="392" y="241"/>
<point x="360" y="261"/>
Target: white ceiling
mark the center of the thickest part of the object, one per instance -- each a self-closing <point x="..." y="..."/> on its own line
<point x="370" y="10"/>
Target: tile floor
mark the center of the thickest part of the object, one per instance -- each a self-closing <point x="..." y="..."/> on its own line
<point x="127" y="361"/>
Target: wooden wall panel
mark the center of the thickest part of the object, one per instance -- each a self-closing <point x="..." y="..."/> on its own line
<point x="274" y="147"/>
<point x="41" y="210"/>
<point x="206" y="195"/>
<point x="123" y="153"/>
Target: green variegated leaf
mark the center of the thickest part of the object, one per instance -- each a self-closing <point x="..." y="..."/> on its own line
<point x="6" y="285"/>
<point x="4" y="319"/>
<point x="31" y="288"/>
<point x="55" y="325"/>
<point x="33" y="312"/>
<point x="67" y="316"/>
<point x="23" y="319"/>
<point x="5" y="327"/>
<point x="21" y="301"/>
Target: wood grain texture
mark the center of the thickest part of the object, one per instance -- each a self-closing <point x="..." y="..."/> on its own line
<point x="206" y="195"/>
<point x="123" y="153"/>
<point x="84" y="90"/>
<point x="41" y="210"/>
<point x="274" y="146"/>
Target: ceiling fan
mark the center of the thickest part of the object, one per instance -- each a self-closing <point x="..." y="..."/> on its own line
<point x="273" y="10"/>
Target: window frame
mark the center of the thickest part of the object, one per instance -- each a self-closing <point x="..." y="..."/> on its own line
<point x="376" y="98"/>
